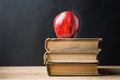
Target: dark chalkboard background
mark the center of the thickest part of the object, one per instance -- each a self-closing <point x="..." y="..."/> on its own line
<point x="25" y="24"/>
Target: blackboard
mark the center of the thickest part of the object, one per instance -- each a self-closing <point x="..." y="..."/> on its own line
<point x="25" y="24"/>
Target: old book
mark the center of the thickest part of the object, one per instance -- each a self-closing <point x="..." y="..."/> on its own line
<point x="57" y="69"/>
<point x="56" y="44"/>
<point x="72" y="56"/>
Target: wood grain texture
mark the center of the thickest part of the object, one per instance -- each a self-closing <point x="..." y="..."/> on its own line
<point x="40" y="73"/>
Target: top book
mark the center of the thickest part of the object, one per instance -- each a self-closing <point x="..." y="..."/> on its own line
<point x="63" y="44"/>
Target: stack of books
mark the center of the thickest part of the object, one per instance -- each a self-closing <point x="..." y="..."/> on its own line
<point x="72" y="56"/>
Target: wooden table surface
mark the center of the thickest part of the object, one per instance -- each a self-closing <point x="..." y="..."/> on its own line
<point x="40" y="73"/>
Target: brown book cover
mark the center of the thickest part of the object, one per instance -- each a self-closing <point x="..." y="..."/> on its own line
<point x="56" y="44"/>
<point x="74" y="69"/>
<point x="72" y="56"/>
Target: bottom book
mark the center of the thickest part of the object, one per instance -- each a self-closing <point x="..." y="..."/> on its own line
<point x="62" y="69"/>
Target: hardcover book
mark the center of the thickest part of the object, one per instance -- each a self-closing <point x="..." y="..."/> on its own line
<point x="72" y="56"/>
<point x="56" y="44"/>
<point x="62" y="69"/>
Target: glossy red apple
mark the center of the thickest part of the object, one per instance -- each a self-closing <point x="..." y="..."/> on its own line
<point x="66" y="24"/>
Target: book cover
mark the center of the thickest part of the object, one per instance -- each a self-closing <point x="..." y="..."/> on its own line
<point x="56" y="44"/>
<point x="68" y="69"/>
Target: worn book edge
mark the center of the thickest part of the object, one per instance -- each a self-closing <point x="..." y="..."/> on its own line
<point x="69" y="52"/>
<point x="71" y="39"/>
<point x="71" y="74"/>
<point x="74" y="51"/>
<point x="48" y="62"/>
<point x="55" y="39"/>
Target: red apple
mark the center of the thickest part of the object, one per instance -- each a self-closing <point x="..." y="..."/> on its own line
<point x="66" y="24"/>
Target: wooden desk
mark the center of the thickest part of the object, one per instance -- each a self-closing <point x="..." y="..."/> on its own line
<point x="40" y="73"/>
